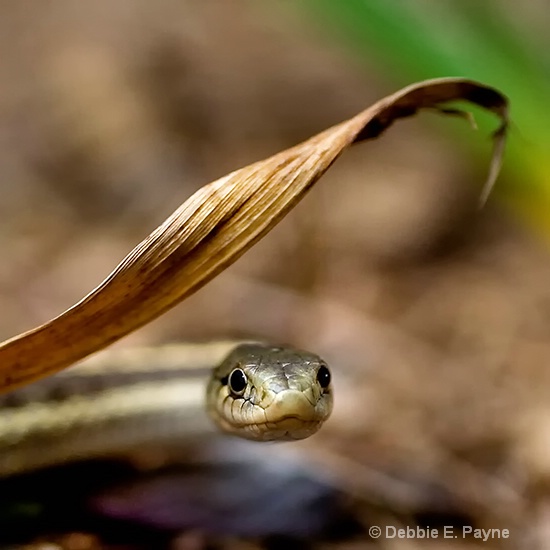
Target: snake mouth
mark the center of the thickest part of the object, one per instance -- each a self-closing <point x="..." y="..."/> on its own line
<point x="287" y="429"/>
<point x="290" y="416"/>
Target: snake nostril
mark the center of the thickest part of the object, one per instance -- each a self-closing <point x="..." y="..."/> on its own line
<point x="237" y="381"/>
<point x="323" y="377"/>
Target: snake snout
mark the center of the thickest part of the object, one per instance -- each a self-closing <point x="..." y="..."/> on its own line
<point x="291" y="404"/>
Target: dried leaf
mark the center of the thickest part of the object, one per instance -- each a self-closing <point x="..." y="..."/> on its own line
<point x="213" y="228"/>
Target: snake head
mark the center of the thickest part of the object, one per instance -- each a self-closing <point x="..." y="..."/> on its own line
<point x="269" y="393"/>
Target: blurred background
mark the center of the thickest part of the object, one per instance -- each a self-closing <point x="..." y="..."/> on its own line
<point x="434" y="315"/>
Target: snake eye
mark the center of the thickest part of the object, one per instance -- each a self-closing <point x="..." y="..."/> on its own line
<point x="237" y="381"/>
<point x="323" y="377"/>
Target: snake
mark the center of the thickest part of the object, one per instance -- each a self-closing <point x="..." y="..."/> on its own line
<point x="135" y="397"/>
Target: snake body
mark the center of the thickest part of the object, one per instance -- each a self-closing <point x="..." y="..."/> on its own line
<point x="130" y="398"/>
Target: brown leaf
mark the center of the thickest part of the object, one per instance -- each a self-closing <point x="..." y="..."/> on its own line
<point x="213" y="228"/>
